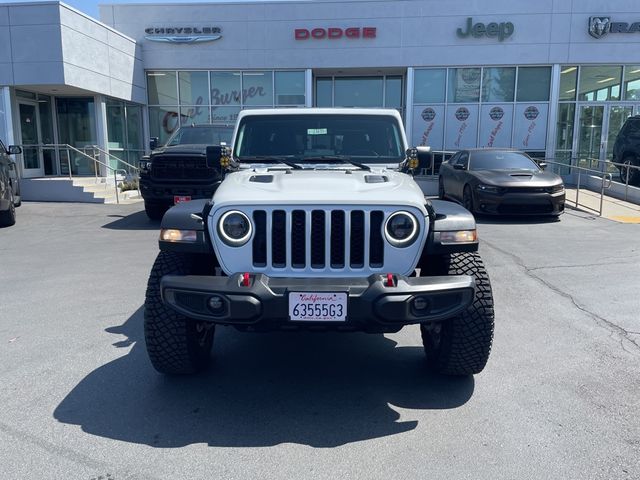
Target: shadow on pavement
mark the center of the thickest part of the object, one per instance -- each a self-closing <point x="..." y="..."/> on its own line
<point x="321" y="390"/>
<point x="134" y="221"/>
<point x="515" y="219"/>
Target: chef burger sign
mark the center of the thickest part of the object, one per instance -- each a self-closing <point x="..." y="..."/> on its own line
<point x="334" y="33"/>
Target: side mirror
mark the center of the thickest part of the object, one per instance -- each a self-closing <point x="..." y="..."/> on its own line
<point x="458" y="166"/>
<point x="14" y="149"/>
<point x="153" y="143"/>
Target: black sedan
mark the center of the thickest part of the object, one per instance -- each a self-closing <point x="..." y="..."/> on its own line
<point x="493" y="181"/>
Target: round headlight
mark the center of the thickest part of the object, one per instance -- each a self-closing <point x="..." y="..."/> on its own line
<point x="234" y="228"/>
<point x="401" y="229"/>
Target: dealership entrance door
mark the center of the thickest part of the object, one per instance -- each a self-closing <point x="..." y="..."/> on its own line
<point x="32" y="165"/>
<point x="598" y="127"/>
<point x="367" y="91"/>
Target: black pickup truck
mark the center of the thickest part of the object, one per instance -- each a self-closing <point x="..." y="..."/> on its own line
<point x="178" y="171"/>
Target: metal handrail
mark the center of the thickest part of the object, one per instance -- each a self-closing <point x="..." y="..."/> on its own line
<point x="605" y="177"/>
<point x="619" y="166"/>
<point x="95" y="160"/>
<point x="110" y="155"/>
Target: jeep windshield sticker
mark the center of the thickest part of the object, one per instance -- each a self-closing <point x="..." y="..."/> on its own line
<point x="316" y="131"/>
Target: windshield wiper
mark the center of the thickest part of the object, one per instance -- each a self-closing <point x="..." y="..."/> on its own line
<point x="271" y="159"/>
<point x="340" y="158"/>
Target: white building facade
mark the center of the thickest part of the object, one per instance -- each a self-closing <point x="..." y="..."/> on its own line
<point x="553" y="78"/>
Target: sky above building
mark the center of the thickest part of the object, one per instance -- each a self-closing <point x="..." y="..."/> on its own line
<point x="90" y="7"/>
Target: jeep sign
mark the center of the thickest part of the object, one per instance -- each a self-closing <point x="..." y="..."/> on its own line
<point x="501" y="30"/>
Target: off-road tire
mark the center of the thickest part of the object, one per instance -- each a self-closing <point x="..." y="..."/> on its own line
<point x="461" y="345"/>
<point x="175" y="344"/>
<point x="8" y="217"/>
<point x="155" y="211"/>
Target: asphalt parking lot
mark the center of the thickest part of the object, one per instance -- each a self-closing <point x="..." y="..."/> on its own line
<point x="559" y="399"/>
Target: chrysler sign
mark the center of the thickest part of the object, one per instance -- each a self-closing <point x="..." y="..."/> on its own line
<point x="600" y="26"/>
<point x="182" y="34"/>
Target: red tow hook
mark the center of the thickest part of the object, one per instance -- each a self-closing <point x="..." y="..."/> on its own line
<point x="391" y="282"/>
<point x="245" y="280"/>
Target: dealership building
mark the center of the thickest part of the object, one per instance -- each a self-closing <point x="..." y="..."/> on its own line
<point x="553" y="78"/>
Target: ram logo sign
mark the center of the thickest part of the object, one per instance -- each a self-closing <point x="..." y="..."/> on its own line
<point x="599" y="26"/>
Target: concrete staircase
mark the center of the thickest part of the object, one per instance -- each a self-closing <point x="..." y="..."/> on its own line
<point x="78" y="189"/>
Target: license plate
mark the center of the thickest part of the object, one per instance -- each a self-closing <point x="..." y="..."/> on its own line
<point x="318" y="306"/>
<point x="181" y="198"/>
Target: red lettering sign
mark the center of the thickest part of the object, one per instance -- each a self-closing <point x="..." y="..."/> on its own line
<point x="334" y="33"/>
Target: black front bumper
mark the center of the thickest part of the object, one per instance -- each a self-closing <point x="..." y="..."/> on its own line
<point x="164" y="192"/>
<point x="519" y="203"/>
<point x="371" y="304"/>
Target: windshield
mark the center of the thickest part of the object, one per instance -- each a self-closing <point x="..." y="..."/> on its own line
<point x="202" y="135"/>
<point x="320" y="138"/>
<point x="493" y="160"/>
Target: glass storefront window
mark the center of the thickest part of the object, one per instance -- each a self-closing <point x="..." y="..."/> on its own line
<point x="393" y="92"/>
<point x="498" y="84"/>
<point x="257" y="88"/>
<point x="194" y="115"/>
<point x="568" y="78"/>
<point x="163" y="121"/>
<point x="225" y="88"/>
<point x="194" y="88"/>
<point x="224" y="115"/>
<point x="115" y="124"/>
<point x="429" y="85"/>
<point x="134" y="127"/>
<point x="533" y="84"/>
<point x="162" y="88"/>
<point x="599" y="83"/>
<point x="290" y="88"/>
<point x="46" y="118"/>
<point x="324" y="92"/>
<point x="358" y="92"/>
<point x="464" y="85"/>
<point x="77" y="127"/>
<point x="632" y="82"/>
<point x="566" y="115"/>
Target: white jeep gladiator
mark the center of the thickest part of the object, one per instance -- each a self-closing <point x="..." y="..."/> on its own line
<point x="319" y="225"/>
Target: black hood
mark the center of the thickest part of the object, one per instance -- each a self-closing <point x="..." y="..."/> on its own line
<point x="517" y="178"/>
<point x="181" y="149"/>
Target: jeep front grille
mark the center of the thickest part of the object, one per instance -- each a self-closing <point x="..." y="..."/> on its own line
<point x="318" y="238"/>
<point x="183" y="167"/>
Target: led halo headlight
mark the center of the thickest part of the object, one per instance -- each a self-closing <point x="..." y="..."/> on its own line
<point x="234" y="227"/>
<point x="401" y="229"/>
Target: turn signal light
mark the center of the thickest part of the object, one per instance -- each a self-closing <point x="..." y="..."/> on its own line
<point x="173" y="235"/>
<point x="460" y="236"/>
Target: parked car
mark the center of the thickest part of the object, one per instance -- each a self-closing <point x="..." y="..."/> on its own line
<point x="318" y="226"/>
<point x="178" y="170"/>
<point x="626" y="150"/>
<point x="9" y="186"/>
<point x="501" y="181"/>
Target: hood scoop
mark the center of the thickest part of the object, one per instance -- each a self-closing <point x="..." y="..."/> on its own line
<point x="376" y="179"/>
<point x="261" y="178"/>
